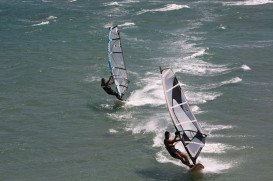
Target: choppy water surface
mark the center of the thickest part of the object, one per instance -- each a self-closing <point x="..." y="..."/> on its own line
<point x="58" y="124"/>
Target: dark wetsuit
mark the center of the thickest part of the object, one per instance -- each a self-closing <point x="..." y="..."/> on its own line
<point x="172" y="151"/>
<point x="109" y="90"/>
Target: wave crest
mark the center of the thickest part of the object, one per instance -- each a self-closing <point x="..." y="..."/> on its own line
<point x="248" y="2"/>
<point x="168" y="7"/>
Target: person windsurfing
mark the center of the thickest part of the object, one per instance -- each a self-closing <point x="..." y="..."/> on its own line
<point x="106" y="85"/>
<point x="175" y="153"/>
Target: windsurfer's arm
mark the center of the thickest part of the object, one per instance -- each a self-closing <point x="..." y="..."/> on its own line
<point x="110" y="81"/>
<point x="175" y="139"/>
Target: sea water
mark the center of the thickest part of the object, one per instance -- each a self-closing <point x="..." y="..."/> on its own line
<point x="56" y="123"/>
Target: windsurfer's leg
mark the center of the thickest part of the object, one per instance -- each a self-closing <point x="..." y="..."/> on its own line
<point x="184" y="159"/>
<point x="111" y="92"/>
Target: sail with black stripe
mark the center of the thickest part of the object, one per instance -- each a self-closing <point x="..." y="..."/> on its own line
<point x="116" y="61"/>
<point x="183" y="119"/>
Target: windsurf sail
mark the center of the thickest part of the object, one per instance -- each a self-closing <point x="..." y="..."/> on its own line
<point x="116" y="61"/>
<point x="182" y="117"/>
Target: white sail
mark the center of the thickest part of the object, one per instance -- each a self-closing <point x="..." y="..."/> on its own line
<point x="116" y="61"/>
<point x="183" y="119"/>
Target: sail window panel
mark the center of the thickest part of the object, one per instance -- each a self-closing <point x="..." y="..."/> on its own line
<point x="115" y="46"/>
<point x="196" y="124"/>
<point x="117" y="60"/>
<point x="186" y="107"/>
<point x="168" y="82"/>
<point x="183" y="96"/>
<point x="120" y="80"/>
<point x="113" y="34"/>
<point x="169" y="98"/>
<point x="187" y="129"/>
<point x="187" y="110"/>
<point x="119" y="73"/>
<point x="174" y="118"/>
<point x="182" y="117"/>
<point x="174" y="86"/>
<point x="180" y="129"/>
<point x="194" y="146"/>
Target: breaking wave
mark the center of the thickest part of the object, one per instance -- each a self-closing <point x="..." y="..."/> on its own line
<point x="127" y="24"/>
<point x="168" y="7"/>
<point x="41" y="24"/>
<point x="46" y="21"/>
<point x="245" y="67"/>
<point x="248" y="2"/>
<point x="226" y="82"/>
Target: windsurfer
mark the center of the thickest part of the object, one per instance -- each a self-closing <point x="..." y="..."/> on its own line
<point x="175" y="153"/>
<point x="106" y="87"/>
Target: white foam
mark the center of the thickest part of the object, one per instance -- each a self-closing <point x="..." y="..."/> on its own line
<point x="108" y="25"/>
<point x="114" y="3"/>
<point x="113" y="131"/>
<point x="196" y="110"/>
<point x="217" y="148"/>
<point x="91" y="78"/>
<point x="120" y="3"/>
<point x="127" y="24"/>
<point x="150" y="94"/>
<point x="232" y="81"/>
<point x="222" y="27"/>
<point x="157" y="141"/>
<point x="42" y="23"/>
<point x="226" y="82"/>
<point x="149" y="126"/>
<point x="46" y="21"/>
<point x="171" y="7"/>
<point x="248" y="2"/>
<point x="155" y="124"/>
<point x="162" y="158"/>
<point x="120" y="116"/>
<point x="227" y="136"/>
<point x="201" y="68"/>
<point x="201" y="97"/>
<point x="199" y="53"/>
<point x="106" y="106"/>
<point x="168" y="7"/>
<point x="211" y="165"/>
<point x="189" y="60"/>
<point x="211" y="128"/>
<point x="245" y="67"/>
<point x="215" y="166"/>
<point x="51" y="18"/>
<point x="72" y="1"/>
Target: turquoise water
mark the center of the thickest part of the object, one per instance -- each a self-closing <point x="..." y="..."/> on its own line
<point x="56" y="123"/>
